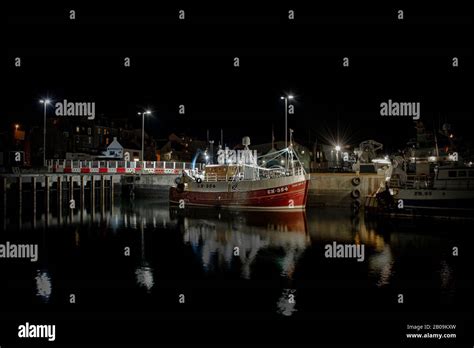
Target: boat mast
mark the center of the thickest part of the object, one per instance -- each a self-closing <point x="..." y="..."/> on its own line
<point x="286" y="128"/>
<point x="290" y="152"/>
<point x="286" y="134"/>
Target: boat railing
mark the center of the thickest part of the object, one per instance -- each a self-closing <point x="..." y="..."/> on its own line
<point x="210" y="177"/>
<point x="464" y="184"/>
<point x="213" y="177"/>
<point x="299" y="170"/>
<point x="260" y="173"/>
<point x="412" y="182"/>
<point x="271" y="173"/>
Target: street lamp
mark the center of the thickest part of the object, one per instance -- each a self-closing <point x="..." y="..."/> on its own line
<point x="45" y="102"/>
<point x="285" y="98"/>
<point x="147" y="112"/>
<point x="337" y="148"/>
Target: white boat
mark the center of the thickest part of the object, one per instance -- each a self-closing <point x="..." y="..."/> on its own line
<point x="449" y="190"/>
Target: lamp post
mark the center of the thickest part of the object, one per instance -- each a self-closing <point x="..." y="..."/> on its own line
<point x="286" y="126"/>
<point x="338" y="149"/>
<point x="143" y="131"/>
<point x="45" y="102"/>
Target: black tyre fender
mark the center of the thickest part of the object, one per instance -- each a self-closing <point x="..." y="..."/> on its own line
<point x="355" y="181"/>
<point x="355" y="205"/>
<point x="355" y="193"/>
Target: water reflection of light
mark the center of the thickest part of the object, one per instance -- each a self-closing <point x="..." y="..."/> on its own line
<point x="77" y="237"/>
<point x="381" y="265"/>
<point x="285" y="305"/>
<point x="288" y="262"/>
<point x="445" y="273"/>
<point x="144" y="273"/>
<point x="214" y="241"/>
<point x="125" y="220"/>
<point x="208" y="250"/>
<point x="145" y="277"/>
<point x="133" y="221"/>
<point x="115" y="224"/>
<point x="43" y="285"/>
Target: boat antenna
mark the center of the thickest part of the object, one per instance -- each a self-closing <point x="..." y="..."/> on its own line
<point x="436" y="143"/>
<point x="273" y="137"/>
<point x="290" y="151"/>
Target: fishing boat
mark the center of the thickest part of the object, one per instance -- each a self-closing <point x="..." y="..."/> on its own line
<point x="448" y="191"/>
<point x="450" y="188"/>
<point x="428" y="180"/>
<point x="241" y="181"/>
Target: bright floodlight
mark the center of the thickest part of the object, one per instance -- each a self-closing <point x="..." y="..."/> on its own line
<point x="148" y="112"/>
<point x="338" y="148"/>
<point x="290" y="97"/>
<point x="45" y="101"/>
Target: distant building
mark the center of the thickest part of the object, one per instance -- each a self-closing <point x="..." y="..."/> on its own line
<point x="114" y="150"/>
<point x="80" y="138"/>
<point x="181" y="148"/>
<point x="13" y="143"/>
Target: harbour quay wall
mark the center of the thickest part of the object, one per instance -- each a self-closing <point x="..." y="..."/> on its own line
<point x="148" y="185"/>
<point x="30" y="181"/>
<point x="342" y="189"/>
<point x="326" y="189"/>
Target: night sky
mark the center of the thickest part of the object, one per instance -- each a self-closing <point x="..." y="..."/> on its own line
<point x="190" y="62"/>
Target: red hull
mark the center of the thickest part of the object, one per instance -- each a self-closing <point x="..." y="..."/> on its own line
<point x="293" y="196"/>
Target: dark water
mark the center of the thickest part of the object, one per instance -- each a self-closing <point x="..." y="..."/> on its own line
<point x="119" y="294"/>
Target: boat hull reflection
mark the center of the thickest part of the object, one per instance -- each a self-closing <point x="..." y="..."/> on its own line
<point x="221" y="237"/>
<point x="290" y="221"/>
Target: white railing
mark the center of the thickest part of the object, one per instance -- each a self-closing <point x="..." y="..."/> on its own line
<point x="210" y="177"/>
<point x="54" y="165"/>
<point x="412" y="181"/>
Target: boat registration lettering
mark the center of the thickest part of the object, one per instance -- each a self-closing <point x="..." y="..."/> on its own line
<point x="277" y="190"/>
<point x="420" y="193"/>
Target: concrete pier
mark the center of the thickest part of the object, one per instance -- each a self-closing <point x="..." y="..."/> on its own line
<point x="23" y="189"/>
<point x="148" y="185"/>
<point x="340" y="190"/>
<point x="326" y="189"/>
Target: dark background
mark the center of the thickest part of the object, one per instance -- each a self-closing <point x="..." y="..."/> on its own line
<point x="190" y="62"/>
